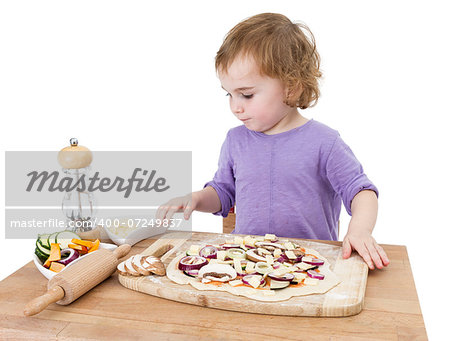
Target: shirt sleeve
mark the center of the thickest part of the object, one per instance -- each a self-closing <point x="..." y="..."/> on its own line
<point x="224" y="181"/>
<point x="346" y="174"/>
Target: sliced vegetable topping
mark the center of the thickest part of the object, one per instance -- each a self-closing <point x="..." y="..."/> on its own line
<point x="253" y="280"/>
<point x="314" y="274"/>
<point x="209" y="252"/>
<point x="217" y="272"/>
<point x="283" y="258"/>
<point x="274" y="284"/>
<point x="254" y="256"/>
<point x="270" y="246"/>
<point x="286" y="277"/>
<point x="236" y="253"/>
<point x="284" y="263"/>
<point x="192" y="263"/>
<point x="314" y="261"/>
<point x="263" y="268"/>
<point x="192" y="273"/>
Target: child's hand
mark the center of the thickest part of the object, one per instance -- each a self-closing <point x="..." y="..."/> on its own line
<point x="367" y="247"/>
<point x="185" y="204"/>
<point x="206" y="200"/>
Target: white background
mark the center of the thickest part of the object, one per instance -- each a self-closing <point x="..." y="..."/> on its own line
<point x="139" y="75"/>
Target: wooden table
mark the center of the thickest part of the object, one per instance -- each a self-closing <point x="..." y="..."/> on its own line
<point x="110" y="311"/>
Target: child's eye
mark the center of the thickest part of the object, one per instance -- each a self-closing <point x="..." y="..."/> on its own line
<point x="245" y="96"/>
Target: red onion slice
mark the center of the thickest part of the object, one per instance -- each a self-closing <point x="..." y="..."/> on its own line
<point x="298" y="259"/>
<point x="69" y="256"/>
<point x="314" y="274"/>
<point x="283" y="258"/>
<point x="192" y="263"/>
<point x="286" y="277"/>
<point x="208" y="252"/>
<point x="247" y="278"/>
<point x="192" y="273"/>
<point x="315" y="261"/>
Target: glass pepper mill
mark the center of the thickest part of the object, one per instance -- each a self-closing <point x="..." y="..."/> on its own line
<point x="78" y="203"/>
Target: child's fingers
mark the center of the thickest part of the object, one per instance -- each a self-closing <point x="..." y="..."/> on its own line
<point x="188" y="211"/>
<point x="172" y="210"/>
<point x="346" y="249"/>
<point x="374" y="255"/>
<point x="383" y="255"/>
<point x="161" y="212"/>
<point x="361" y="248"/>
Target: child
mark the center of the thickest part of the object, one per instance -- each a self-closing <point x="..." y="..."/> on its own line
<point x="286" y="174"/>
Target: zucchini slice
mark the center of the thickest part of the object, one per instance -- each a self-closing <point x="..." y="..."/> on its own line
<point x="40" y="255"/>
<point x="52" y="238"/>
<point x="43" y="240"/>
<point x="42" y="249"/>
<point x="64" y="238"/>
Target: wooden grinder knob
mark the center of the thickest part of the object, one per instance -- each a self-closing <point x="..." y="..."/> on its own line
<point x="79" y="278"/>
<point x="74" y="156"/>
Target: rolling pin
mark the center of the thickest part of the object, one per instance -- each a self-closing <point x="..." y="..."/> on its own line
<point x="66" y="286"/>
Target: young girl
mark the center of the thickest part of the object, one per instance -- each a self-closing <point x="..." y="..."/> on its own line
<point x="286" y="174"/>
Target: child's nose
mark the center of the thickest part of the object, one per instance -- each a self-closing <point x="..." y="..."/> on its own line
<point x="237" y="108"/>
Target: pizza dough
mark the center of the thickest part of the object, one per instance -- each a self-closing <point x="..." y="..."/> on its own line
<point x="261" y="294"/>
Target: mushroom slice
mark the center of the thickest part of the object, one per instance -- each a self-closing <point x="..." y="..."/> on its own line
<point x="263" y="252"/>
<point x="129" y="268"/>
<point x="255" y="257"/>
<point x="137" y="265"/>
<point x="269" y="246"/>
<point x="217" y="272"/>
<point x="154" y="265"/>
<point x="121" y="268"/>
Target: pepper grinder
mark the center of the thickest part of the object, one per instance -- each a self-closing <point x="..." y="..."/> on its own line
<point x="78" y="203"/>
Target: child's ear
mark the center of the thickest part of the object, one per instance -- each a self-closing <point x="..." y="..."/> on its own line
<point x="293" y="93"/>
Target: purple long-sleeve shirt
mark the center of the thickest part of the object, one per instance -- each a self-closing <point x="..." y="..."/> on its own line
<point x="289" y="184"/>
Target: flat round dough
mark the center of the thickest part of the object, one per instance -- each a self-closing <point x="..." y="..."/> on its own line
<point x="329" y="282"/>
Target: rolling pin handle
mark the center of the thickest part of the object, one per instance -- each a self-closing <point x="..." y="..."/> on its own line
<point x="122" y="251"/>
<point x="40" y="303"/>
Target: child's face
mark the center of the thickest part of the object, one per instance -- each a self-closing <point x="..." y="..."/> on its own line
<point x="256" y="100"/>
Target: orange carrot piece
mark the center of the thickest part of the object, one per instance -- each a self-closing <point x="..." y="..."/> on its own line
<point x="86" y="243"/>
<point x="81" y="248"/>
<point x="57" y="267"/>
<point x="55" y="252"/>
<point x="47" y="263"/>
<point x="95" y="246"/>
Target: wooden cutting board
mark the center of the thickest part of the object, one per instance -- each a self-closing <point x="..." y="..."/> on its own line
<point x="344" y="300"/>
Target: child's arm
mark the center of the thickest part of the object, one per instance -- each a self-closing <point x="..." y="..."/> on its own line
<point x="364" y="208"/>
<point x="205" y="200"/>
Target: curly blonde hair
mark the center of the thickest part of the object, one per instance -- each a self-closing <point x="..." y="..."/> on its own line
<point x="281" y="49"/>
